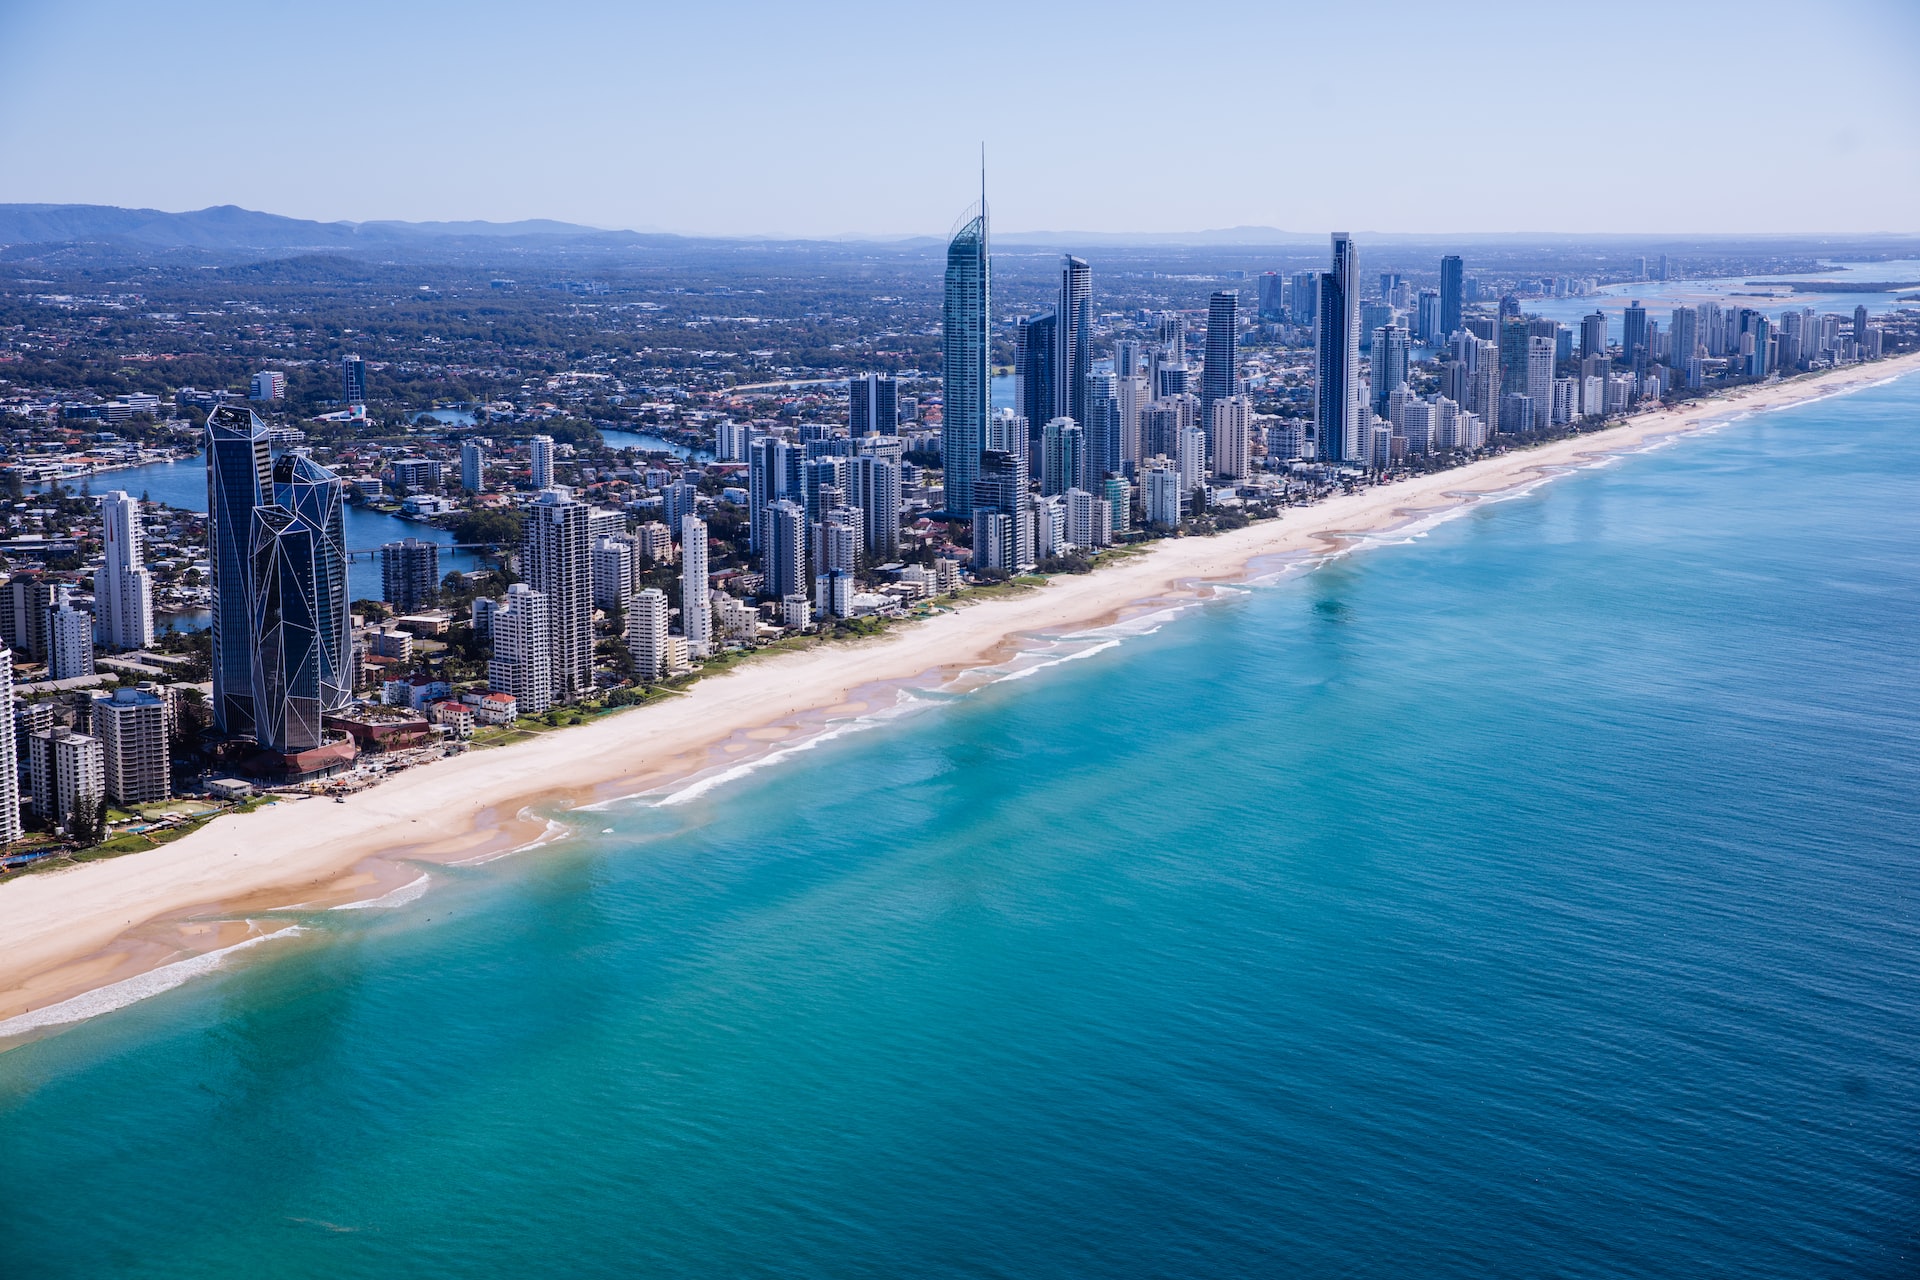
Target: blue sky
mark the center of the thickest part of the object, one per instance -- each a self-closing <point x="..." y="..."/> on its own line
<point x="839" y="117"/>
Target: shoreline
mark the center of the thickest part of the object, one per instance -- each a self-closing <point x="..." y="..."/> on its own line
<point x="159" y="916"/>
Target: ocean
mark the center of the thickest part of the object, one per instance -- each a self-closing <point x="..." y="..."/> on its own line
<point x="1530" y="893"/>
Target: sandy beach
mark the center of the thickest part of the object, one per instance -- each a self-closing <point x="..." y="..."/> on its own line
<point x="82" y="929"/>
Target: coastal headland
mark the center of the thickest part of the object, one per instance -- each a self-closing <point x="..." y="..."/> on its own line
<point x="87" y="928"/>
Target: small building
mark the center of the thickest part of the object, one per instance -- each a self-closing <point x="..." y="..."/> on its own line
<point x="497" y="708"/>
<point x="229" y="788"/>
<point x="455" y="716"/>
<point x="381" y="728"/>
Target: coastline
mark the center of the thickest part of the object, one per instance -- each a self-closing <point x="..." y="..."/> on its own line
<point x="90" y="927"/>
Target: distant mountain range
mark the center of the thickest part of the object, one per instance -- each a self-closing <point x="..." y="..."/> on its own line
<point x="227" y="228"/>
<point x="229" y="233"/>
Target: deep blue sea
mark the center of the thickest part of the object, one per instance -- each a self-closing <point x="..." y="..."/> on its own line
<point x="1531" y="896"/>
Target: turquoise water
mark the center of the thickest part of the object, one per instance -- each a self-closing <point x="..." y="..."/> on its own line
<point x="1534" y="897"/>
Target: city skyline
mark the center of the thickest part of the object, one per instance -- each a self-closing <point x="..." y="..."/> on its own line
<point x="544" y="141"/>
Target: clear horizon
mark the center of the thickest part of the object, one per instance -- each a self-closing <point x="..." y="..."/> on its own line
<point x="841" y="123"/>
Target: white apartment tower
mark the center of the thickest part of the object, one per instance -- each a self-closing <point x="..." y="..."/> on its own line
<point x="68" y="773"/>
<point x="69" y="639"/>
<point x="473" y="467"/>
<point x="696" y="610"/>
<point x="541" y="453"/>
<point x="9" y="761"/>
<point x="522" y="662"/>
<point x="558" y="563"/>
<point x="1232" y="437"/>
<point x="647" y="633"/>
<point x="132" y="728"/>
<point x="123" y="589"/>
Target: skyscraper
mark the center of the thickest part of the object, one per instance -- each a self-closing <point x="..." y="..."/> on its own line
<point x="1002" y="522"/>
<point x="1035" y="353"/>
<point x="1633" y="334"/>
<point x="873" y="485"/>
<point x="297" y="606"/>
<point x="1104" y="445"/>
<point x="1683" y="337"/>
<point x="1063" y="456"/>
<point x="1336" y="355"/>
<point x="1450" y="288"/>
<point x="473" y="467"/>
<point x="239" y="478"/>
<point x="123" y="589"/>
<point x="522" y="662"/>
<point x="409" y="573"/>
<point x="353" y="380"/>
<point x="1074" y="338"/>
<point x="1232" y="424"/>
<point x="1593" y="335"/>
<point x="559" y="565"/>
<point x="966" y="369"/>
<point x="9" y="756"/>
<point x="540" y="457"/>
<point x="785" y="565"/>
<point x="1269" y="305"/>
<point x="1220" y="378"/>
<point x="873" y="406"/>
<point x="696" y="608"/>
<point x="1391" y="347"/>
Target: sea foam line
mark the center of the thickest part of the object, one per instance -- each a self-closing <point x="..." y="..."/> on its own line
<point x="118" y="995"/>
<point x="394" y="898"/>
<point x="554" y="831"/>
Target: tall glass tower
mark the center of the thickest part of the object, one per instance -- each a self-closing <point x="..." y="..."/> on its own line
<point x="967" y="372"/>
<point x="303" y="643"/>
<point x="238" y="480"/>
<point x="1452" y="282"/>
<point x="1220" y="377"/>
<point x="1336" y="354"/>
<point x="1075" y="338"/>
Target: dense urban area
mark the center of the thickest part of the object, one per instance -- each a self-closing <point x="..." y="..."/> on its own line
<point x="288" y="520"/>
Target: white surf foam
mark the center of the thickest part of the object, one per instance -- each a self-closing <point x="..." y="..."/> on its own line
<point x="393" y="898"/>
<point x="553" y="831"/>
<point x="118" y="995"/>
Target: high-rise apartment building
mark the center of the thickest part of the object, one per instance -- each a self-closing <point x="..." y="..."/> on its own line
<point x="9" y="755"/>
<point x="132" y="727"/>
<point x="615" y="562"/>
<point x="1633" y="334"/>
<point x="1451" y="281"/>
<point x="473" y="466"/>
<point x="1392" y="345"/>
<point x="522" y="662"/>
<point x="1220" y="377"/>
<point x="123" y="589"/>
<point x="1074" y="337"/>
<point x="239" y="479"/>
<point x="1105" y="446"/>
<point x="353" y="381"/>
<point x="966" y="350"/>
<point x="69" y="638"/>
<point x="696" y="608"/>
<point x="1336" y="356"/>
<point x="540" y="461"/>
<point x="873" y="406"/>
<point x="1232" y="431"/>
<point x="647" y="633"/>
<point x="268" y="385"/>
<point x="1063" y="464"/>
<point x="68" y="775"/>
<point x="785" y="560"/>
<point x="297" y="608"/>
<point x="409" y="574"/>
<point x="873" y="485"/>
<point x="1002" y="520"/>
<point x="558" y="563"/>
<point x="1593" y="335"/>
<point x="1270" y="303"/>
